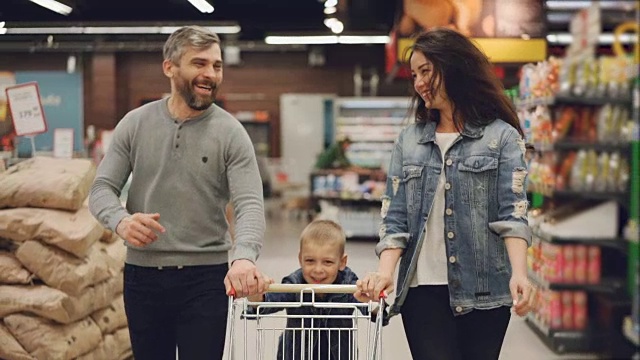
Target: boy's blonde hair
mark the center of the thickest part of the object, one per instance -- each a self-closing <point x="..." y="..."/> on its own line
<point x="321" y="232"/>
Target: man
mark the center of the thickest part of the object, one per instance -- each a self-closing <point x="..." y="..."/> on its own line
<point x="335" y="156"/>
<point x="188" y="158"/>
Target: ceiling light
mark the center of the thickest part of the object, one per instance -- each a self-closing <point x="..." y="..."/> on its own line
<point x="53" y="5"/>
<point x="330" y="21"/>
<point x="330" y="10"/>
<point x="337" y="27"/>
<point x="2" y="24"/>
<point x="603" y="39"/>
<point x="361" y="39"/>
<point x="202" y="5"/>
<point x="327" y="39"/>
<point x="577" y="5"/>
<point x="287" y="40"/>
<point x="331" y="3"/>
<point x="3" y="31"/>
<point x="221" y="29"/>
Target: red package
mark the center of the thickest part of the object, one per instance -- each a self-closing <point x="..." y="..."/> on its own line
<point x="595" y="264"/>
<point x="567" y="310"/>
<point x="580" y="310"/>
<point x="569" y="263"/>
<point x="555" y="310"/>
<point x="581" y="264"/>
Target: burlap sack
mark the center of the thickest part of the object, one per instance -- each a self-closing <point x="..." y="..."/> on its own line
<point x="112" y="317"/>
<point x="54" y="304"/>
<point x="109" y="236"/>
<point x="74" y="232"/>
<point x="116" y="251"/>
<point x="44" y="339"/>
<point x="10" y="348"/>
<point x="64" y="271"/>
<point x="12" y="271"/>
<point x="47" y="183"/>
<point x="116" y="346"/>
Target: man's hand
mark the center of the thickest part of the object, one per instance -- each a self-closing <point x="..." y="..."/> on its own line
<point x="140" y="229"/>
<point x="245" y="279"/>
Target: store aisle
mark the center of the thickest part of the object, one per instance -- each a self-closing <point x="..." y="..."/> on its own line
<point x="279" y="258"/>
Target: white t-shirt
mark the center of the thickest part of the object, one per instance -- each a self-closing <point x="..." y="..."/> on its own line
<point x="431" y="268"/>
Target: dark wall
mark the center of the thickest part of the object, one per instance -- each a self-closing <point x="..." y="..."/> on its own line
<point x="115" y="83"/>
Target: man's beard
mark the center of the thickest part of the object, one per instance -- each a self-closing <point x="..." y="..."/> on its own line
<point x="196" y="101"/>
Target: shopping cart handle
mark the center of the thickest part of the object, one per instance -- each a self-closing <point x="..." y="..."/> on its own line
<point x="317" y="288"/>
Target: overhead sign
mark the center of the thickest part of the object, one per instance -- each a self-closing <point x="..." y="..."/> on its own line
<point x="585" y="27"/>
<point x="26" y="109"/>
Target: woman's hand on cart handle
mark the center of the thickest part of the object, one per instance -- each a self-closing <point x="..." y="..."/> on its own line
<point x="374" y="286"/>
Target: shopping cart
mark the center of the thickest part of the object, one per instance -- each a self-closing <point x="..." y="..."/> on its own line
<point x="268" y="335"/>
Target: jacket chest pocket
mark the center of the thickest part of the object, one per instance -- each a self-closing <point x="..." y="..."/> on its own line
<point x="477" y="174"/>
<point x="412" y="180"/>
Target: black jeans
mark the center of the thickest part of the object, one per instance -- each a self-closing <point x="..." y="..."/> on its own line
<point x="171" y="307"/>
<point x="434" y="333"/>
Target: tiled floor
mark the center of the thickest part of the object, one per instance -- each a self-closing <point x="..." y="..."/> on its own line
<point x="279" y="258"/>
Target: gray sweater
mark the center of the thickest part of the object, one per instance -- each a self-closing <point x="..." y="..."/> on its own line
<point x="187" y="172"/>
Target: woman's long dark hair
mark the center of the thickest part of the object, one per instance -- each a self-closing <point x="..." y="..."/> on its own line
<point x="476" y="94"/>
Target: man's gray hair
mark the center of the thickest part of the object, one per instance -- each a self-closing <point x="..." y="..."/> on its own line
<point x="193" y="36"/>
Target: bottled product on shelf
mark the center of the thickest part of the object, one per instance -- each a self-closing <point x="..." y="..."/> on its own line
<point x="372" y="124"/>
<point x="577" y="115"/>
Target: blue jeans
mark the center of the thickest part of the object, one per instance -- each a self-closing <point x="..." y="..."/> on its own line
<point x="184" y="307"/>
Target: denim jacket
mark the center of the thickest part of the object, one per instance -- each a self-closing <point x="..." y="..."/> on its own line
<point x="341" y="341"/>
<point x="485" y="201"/>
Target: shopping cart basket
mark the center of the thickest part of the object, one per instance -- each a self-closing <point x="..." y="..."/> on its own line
<point x="269" y="335"/>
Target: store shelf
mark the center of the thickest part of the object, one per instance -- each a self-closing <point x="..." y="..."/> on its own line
<point x="582" y="100"/>
<point x="597" y="146"/>
<point x="622" y="197"/>
<point x="632" y="335"/>
<point x="371" y="121"/>
<point x="531" y="103"/>
<point x="564" y="341"/>
<point x="614" y="243"/>
<point x="349" y="201"/>
<point x="606" y="286"/>
<point x="570" y="100"/>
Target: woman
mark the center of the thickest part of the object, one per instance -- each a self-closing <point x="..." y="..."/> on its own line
<point x="454" y="211"/>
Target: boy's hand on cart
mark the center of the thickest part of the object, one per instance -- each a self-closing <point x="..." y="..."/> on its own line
<point x="244" y="279"/>
<point x="373" y="285"/>
<point x="140" y="229"/>
<point x="521" y="293"/>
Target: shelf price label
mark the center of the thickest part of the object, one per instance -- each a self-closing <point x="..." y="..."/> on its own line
<point x="26" y="109"/>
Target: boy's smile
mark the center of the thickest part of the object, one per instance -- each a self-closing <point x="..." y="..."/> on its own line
<point x="321" y="263"/>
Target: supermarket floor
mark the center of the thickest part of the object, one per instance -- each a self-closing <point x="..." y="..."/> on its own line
<point x="279" y="258"/>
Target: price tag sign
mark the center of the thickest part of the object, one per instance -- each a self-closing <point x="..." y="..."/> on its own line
<point x="26" y="109"/>
<point x="63" y="143"/>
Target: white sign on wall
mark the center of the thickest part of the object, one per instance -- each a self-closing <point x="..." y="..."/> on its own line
<point x="26" y="109"/>
<point x="63" y="143"/>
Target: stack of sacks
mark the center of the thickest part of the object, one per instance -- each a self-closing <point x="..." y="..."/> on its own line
<point x="60" y="270"/>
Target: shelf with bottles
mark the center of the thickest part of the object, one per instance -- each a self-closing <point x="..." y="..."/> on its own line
<point x="348" y="187"/>
<point x="582" y="81"/>
<point x="568" y="127"/>
<point x="561" y="321"/>
<point x="570" y="266"/>
<point x="613" y="243"/>
<point x="582" y="174"/>
<point x="372" y="124"/>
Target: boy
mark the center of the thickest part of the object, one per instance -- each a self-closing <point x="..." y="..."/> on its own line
<point x="322" y="261"/>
